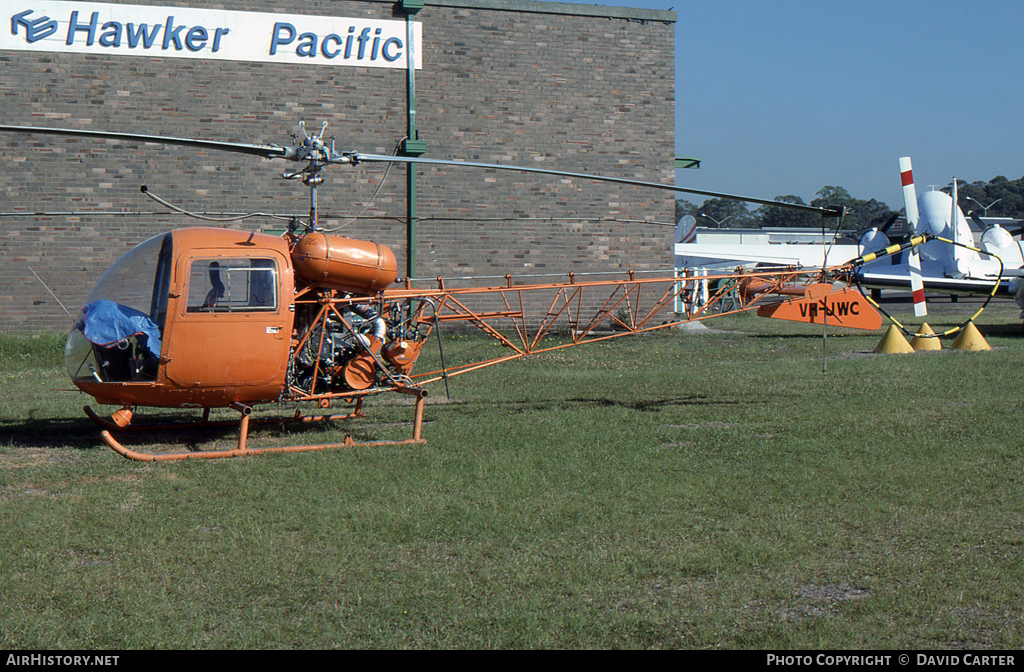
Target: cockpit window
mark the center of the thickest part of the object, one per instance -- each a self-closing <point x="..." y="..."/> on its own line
<point x="134" y="280"/>
<point x="118" y="335"/>
<point x="231" y="285"/>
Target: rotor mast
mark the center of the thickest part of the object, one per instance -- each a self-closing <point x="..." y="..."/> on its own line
<point x="315" y="152"/>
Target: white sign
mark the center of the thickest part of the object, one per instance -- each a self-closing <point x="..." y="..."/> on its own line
<point x="181" y="32"/>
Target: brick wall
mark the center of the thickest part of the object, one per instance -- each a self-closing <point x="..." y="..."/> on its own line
<point x="502" y="82"/>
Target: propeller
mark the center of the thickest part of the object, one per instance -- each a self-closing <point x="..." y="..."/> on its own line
<point x="914" y="256"/>
<point x="318" y="155"/>
<point x="889" y="222"/>
<point x="875" y="238"/>
<point x="977" y="220"/>
<point x="996" y="234"/>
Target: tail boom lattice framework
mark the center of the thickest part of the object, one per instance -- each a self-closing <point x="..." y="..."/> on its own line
<point x="582" y="311"/>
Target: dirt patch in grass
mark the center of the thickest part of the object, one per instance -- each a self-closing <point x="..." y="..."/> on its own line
<point x="831" y="593"/>
<point x="36" y="457"/>
<point x="817" y="601"/>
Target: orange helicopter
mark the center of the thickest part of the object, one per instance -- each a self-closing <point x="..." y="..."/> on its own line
<point x="224" y="318"/>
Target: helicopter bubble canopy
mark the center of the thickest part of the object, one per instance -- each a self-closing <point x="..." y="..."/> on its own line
<point x="123" y="317"/>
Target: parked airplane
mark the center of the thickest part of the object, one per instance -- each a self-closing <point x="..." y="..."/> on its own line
<point x="965" y="267"/>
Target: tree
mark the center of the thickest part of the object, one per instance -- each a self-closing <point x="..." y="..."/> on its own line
<point x="683" y="208"/>
<point x="999" y="197"/>
<point x="1010" y="195"/>
<point x="1004" y="198"/>
<point x="725" y="213"/>
<point x="773" y="216"/>
<point x="858" y="214"/>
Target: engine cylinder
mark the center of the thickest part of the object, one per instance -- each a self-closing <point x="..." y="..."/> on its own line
<point x="335" y="262"/>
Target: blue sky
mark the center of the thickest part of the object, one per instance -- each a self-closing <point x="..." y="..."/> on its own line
<point x="787" y="96"/>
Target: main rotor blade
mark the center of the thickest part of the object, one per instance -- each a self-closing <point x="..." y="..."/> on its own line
<point x="357" y="157"/>
<point x="265" y="151"/>
<point x="296" y="154"/>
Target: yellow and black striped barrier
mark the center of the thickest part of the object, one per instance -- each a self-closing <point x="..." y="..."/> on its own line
<point x="893" y="249"/>
<point x="913" y="242"/>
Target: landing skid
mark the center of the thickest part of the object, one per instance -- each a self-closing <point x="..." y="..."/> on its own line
<point x="242" y="450"/>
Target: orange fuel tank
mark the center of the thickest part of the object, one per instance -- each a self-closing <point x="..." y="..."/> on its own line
<point x="336" y="262"/>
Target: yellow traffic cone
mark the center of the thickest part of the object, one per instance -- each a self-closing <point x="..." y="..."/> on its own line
<point x="923" y="342"/>
<point x="970" y="339"/>
<point x="893" y="342"/>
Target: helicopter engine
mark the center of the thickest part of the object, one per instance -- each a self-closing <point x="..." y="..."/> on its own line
<point x="341" y="354"/>
<point x="346" y="351"/>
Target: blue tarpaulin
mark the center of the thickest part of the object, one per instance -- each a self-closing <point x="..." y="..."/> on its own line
<point x="106" y="324"/>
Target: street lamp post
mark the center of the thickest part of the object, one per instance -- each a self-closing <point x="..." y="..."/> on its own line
<point x="985" y="207"/>
<point x="718" y="223"/>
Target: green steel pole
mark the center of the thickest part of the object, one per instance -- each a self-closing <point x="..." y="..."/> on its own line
<point x="411" y="220"/>
<point x="412" y="145"/>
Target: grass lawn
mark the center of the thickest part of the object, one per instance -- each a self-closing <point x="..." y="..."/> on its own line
<point x="753" y="487"/>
